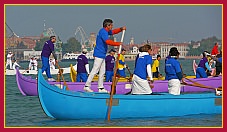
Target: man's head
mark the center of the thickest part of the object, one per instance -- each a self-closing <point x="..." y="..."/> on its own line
<point x="53" y="39"/>
<point x="216" y="44"/>
<point x="174" y="52"/>
<point x="206" y="53"/>
<point x="84" y="51"/>
<point x="112" y="52"/>
<point x="108" y="23"/>
<point x="159" y="57"/>
<point x="146" y="48"/>
<point x="123" y="51"/>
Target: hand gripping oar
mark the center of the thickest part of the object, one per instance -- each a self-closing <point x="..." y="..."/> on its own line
<point x="113" y="86"/>
<point x="65" y="84"/>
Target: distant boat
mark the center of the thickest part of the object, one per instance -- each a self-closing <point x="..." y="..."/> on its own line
<point x="35" y="72"/>
<point x="73" y="56"/>
<point x="70" y="56"/>
<point x="65" y="104"/>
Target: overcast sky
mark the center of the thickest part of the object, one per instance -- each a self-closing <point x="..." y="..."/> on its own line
<point x="153" y="23"/>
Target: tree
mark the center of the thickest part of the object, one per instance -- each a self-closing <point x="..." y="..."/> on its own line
<point x="21" y="45"/>
<point x="39" y="44"/>
<point x="205" y="45"/>
<point x="72" y="45"/>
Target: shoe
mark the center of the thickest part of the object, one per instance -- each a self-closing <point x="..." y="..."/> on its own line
<point x="87" y="89"/>
<point x="103" y="90"/>
<point x="51" y="79"/>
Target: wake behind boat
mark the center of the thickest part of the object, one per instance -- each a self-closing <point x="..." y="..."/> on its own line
<point x="65" y="104"/>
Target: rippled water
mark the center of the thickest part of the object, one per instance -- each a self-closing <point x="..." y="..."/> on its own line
<point x="26" y="111"/>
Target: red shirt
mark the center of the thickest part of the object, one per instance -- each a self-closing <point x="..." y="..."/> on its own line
<point x="215" y="50"/>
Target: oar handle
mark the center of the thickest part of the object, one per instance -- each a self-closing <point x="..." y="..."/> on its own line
<point x="122" y="39"/>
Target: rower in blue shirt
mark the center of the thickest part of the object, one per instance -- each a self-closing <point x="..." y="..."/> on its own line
<point x="140" y="84"/>
<point x="100" y="50"/>
<point x="173" y="72"/>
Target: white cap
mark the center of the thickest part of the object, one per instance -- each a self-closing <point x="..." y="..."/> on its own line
<point x="10" y="52"/>
<point x="207" y="54"/>
<point x="84" y="50"/>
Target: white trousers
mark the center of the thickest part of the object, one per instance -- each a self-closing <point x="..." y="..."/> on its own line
<point x="9" y="62"/>
<point x="98" y="66"/>
<point x="140" y="86"/>
<point x="174" y="86"/>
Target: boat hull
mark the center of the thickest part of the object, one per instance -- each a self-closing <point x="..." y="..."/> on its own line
<point x="64" y="104"/>
<point x="28" y="86"/>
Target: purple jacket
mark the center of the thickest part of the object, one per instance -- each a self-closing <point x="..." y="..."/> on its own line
<point x="109" y="62"/>
<point x="81" y="62"/>
<point x="48" y="47"/>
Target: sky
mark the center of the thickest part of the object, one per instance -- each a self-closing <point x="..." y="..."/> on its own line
<point x="156" y="23"/>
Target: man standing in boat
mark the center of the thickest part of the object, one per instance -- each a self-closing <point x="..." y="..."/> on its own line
<point x="110" y="60"/>
<point x="214" y="51"/>
<point x="82" y="67"/>
<point x="173" y="72"/>
<point x="33" y="64"/>
<point x="48" y="48"/>
<point x="9" y="60"/>
<point x="15" y="64"/>
<point x="100" y="50"/>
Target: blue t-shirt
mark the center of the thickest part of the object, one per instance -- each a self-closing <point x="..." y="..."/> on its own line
<point x="172" y="67"/>
<point x="81" y="62"/>
<point x="48" y="47"/>
<point x="141" y="66"/>
<point x="109" y="62"/>
<point x="101" y="47"/>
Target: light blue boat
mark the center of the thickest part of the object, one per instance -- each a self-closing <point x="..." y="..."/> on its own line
<point x="63" y="104"/>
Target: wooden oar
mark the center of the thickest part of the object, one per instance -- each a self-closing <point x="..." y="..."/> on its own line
<point x="26" y="69"/>
<point x="196" y="84"/>
<point x="67" y="88"/>
<point x="113" y="86"/>
<point x="130" y="78"/>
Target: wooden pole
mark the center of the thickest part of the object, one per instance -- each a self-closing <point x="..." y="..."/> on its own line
<point x="113" y="86"/>
<point x="196" y="84"/>
<point x="65" y="84"/>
